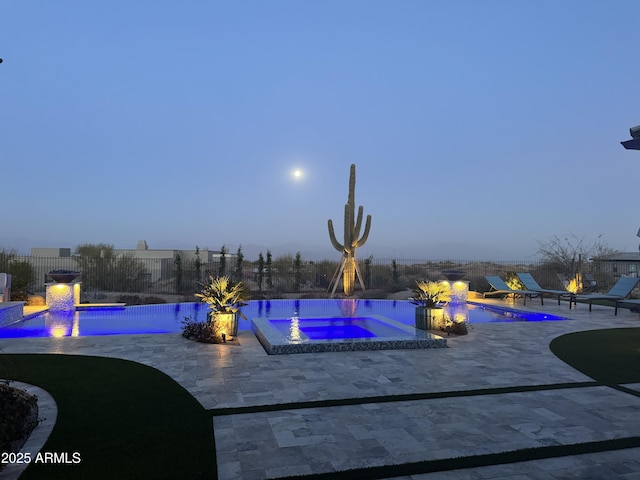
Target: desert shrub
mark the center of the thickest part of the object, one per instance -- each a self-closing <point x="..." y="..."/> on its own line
<point x="457" y="328"/>
<point x="138" y="300"/>
<point x="19" y="296"/>
<point x="313" y="295"/>
<point x="152" y="300"/>
<point x="18" y="417"/>
<point x="36" y="300"/>
<point x="200" y="331"/>
<point x="393" y="287"/>
<point x="374" y="294"/>
<point x="195" y="330"/>
<point x="130" y="299"/>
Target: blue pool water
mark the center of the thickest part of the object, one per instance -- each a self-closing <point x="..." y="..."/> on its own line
<point x="168" y="318"/>
<point x="336" y="327"/>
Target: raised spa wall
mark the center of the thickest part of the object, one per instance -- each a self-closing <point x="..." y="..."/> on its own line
<point x="10" y="312"/>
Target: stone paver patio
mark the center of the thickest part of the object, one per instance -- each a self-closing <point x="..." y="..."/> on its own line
<point x="305" y="439"/>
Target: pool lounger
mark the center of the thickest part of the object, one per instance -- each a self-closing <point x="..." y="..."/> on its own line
<point x="622" y="303"/>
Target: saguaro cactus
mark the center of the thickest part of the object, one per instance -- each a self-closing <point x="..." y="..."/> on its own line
<point x="352" y="240"/>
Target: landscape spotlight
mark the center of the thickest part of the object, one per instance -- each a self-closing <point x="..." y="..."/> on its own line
<point x="634" y="143"/>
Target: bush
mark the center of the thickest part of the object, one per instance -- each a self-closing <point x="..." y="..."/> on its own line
<point x="459" y="328"/>
<point x="205" y="332"/>
<point x="153" y="300"/>
<point x="373" y="294"/>
<point x="19" y="297"/>
<point x="396" y="287"/>
<point x="314" y="295"/>
<point x="18" y="417"/>
<point x="199" y="331"/>
<point x="138" y="300"/>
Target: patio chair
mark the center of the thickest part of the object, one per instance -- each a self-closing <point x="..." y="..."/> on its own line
<point x="634" y="305"/>
<point x="530" y="284"/>
<point x="589" y="283"/>
<point x="618" y="292"/>
<point x="501" y="288"/>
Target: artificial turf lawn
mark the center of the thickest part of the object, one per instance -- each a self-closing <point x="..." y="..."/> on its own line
<point x="609" y="356"/>
<point x="126" y="420"/>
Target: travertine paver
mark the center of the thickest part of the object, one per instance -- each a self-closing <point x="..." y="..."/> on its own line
<point x="288" y="442"/>
<point x="399" y="432"/>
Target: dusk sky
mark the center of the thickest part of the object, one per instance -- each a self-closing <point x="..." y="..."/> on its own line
<point x="478" y="128"/>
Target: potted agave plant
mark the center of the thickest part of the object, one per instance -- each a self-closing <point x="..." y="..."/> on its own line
<point x="224" y="298"/>
<point x="429" y="298"/>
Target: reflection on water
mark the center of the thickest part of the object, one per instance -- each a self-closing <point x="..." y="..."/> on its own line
<point x="349" y="307"/>
<point x="456" y="312"/>
<point x="263" y="306"/>
<point x="294" y="329"/>
<point x="62" y="323"/>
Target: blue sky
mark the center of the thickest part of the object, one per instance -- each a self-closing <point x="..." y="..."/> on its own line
<point x="478" y="128"/>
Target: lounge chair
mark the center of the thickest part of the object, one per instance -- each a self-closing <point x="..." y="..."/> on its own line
<point x="530" y="284"/>
<point x="501" y="288"/>
<point x="634" y="302"/>
<point x="618" y="292"/>
<point x="563" y="279"/>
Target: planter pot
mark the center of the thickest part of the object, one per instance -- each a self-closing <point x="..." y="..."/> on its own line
<point x="429" y="318"/>
<point x="227" y="323"/>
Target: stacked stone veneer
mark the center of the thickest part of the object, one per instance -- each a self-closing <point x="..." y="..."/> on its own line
<point x="10" y="312"/>
<point x="60" y="296"/>
<point x="459" y="291"/>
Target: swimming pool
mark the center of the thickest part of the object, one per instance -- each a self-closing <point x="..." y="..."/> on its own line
<point x="167" y="318"/>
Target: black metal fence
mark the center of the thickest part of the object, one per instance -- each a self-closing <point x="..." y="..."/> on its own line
<point x="166" y="276"/>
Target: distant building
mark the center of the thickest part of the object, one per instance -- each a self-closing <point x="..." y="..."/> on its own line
<point x="160" y="262"/>
<point x="624" y="264"/>
<point x="43" y="260"/>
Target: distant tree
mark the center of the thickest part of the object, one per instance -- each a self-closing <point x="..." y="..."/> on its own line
<point x="128" y="273"/>
<point x="22" y="277"/>
<point x="197" y="265"/>
<point x="283" y="270"/>
<point x="103" y="269"/>
<point x="323" y="271"/>
<point x="563" y="254"/>
<point x="96" y="263"/>
<point x="297" y="272"/>
<point x="21" y="272"/>
<point x="177" y="262"/>
<point x="260" y="270"/>
<point x="7" y="255"/>
<point x="222" y="267"/>
<point x="367" y="271"/>
<point x="269" y="271"/>
<point x="239" y="260"/>
<point x="395" y="276"/>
